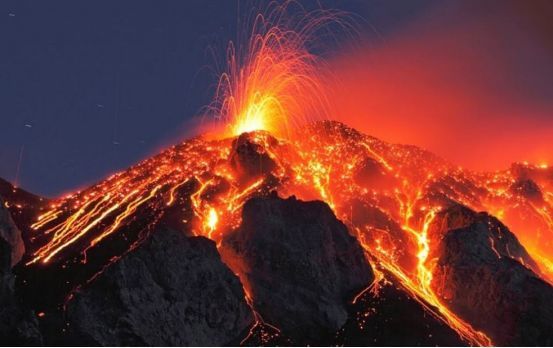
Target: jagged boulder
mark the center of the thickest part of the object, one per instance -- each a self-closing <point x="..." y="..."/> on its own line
<point x="500" y="239"/>
<point x="18" y="326"/>
<point x="250" y="158"/>
<point x="11" y="234"/>
<point x="299" y="264"/>
<point x="485" y="276"/>
<point x="172" y="290"/>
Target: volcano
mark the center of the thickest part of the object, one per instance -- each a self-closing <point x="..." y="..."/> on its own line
<point x="332" y="237"/>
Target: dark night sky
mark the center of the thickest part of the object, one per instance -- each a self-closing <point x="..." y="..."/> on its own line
<point x="90" y="87"/>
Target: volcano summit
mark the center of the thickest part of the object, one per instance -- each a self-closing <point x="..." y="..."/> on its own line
<point x="334" y="237"/>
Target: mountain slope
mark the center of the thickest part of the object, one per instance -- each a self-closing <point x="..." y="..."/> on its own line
<point x="396" y="200"/>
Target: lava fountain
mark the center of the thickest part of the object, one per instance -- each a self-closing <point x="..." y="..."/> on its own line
<point x="272" y="81"/>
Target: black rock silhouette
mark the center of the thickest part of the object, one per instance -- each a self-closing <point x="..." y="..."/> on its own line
<point x="172" y="290"/>
<point x="485" y="276"/>
<point x="299" y="263"/>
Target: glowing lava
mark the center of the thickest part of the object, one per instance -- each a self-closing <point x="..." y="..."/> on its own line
<point x="272" y="81"/>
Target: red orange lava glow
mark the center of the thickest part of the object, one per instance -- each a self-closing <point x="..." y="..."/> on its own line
<point x="270" y="91"/>
<point x="272" y="82"/>
<point x="468" y="80"/>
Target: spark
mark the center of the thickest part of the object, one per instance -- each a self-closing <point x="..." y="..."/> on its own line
<point x="272" y="82"/>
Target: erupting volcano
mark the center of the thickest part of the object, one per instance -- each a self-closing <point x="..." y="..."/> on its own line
<point x="283" y="226"/>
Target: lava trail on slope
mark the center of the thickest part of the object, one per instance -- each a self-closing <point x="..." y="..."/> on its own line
<point x="393" y="198"/>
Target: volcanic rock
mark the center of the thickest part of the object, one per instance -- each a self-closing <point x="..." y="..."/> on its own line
<point x="298" y="263"/>
<point x="388" y="316"/>
<point x="543" y="176"/>
<point x="528" y="189"/>
<point x="23" y="206"/>
<point x="11" y="234"/>
<point x="383" y="231"/>
<point x="371" y="174"/>
<point x="499" y="238"/>
<point x="12" y="193"/>
<point x="18" y="326"/>
<point x="485" y="276"/>
<point x="249" y="156"/>
<point x="447" y="190"/>
<point x="172" y="290"/>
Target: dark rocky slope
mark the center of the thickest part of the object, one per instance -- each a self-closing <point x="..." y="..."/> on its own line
<point x="390" y="317"/>
<point x="299" y="263"/>
<point x="18" y="325"/>
<point x="485" y="275"/>
<point x="173" y="290"/>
